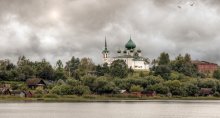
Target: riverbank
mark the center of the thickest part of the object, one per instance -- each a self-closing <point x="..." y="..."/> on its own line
<point x="99" y="98"/>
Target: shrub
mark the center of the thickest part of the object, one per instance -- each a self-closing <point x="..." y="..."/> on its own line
<point x="136" y="88"/>
<point x="80" y="90"/>
<point x="216" y="94"/>
<point x="39" y="90"/>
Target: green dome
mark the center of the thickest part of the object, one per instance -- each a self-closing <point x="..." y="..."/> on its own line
<point x="124" y="51"/>
<point x="139" y="51"/>
<point x="119" y="51"/>
<point x="130" y="45"/>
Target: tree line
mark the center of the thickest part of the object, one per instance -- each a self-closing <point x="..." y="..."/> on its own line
<point x="178" y="77"/>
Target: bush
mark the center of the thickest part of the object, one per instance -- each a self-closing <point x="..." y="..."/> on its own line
<point x="136" y="88"/>
<point x="216" y="74"/>
<point x="39" y="90"/>
<point x="80" y="90"/>
<point x="216" y="94"/>
<point x="61" y="90"/>
<point x="159" y="88"/>
<point x="103" y="86"/>
<point x="73" y="82"/>
<point x="174" y="87"/>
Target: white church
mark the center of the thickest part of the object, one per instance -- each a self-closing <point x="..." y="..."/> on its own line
<point x="130" y="55"/>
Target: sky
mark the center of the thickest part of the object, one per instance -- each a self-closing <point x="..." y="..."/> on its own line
<point x="60" y="29"/>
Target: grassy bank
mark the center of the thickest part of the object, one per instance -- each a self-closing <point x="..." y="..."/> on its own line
<point x="98" y="98"/>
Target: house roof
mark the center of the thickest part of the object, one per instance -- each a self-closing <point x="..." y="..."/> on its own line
<point x="202" y="62"/>
<point x="34" y="81"/>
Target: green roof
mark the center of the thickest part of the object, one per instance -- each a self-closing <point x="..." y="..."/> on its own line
<point x="130" y="44"/>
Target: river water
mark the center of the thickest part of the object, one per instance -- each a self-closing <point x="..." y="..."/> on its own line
<point x="146" y="109"/>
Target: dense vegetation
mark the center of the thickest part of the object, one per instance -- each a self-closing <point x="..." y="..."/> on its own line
<point x="178" y="77"/>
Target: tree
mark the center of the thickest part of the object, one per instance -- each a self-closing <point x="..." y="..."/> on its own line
<point x="59" y="65"/>
<point x="119" y="68"/>
<point x="72" y="66"/>
<point x="102" y="85"/>
<point x="99" y="71"/>
<point x="163" y="70"/>
<point x="86" y="65"/>
<point x="216" y="74"/>
<point x="44" y="70"/>
<point x="164" y="59"/>
<point x="59" y="73"/>
<point x="184" y="65"/>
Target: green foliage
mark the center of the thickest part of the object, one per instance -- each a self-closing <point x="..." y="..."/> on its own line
<point x="216" y="74"/>
<point x="164" y="59"/>
<point x="208" y="83"/>
<point x="174" y="87"/>
<point x="86" y="65"/>
<point x="102" y="70"/>
<point x="136" y="88"/>
<point x="184" y="65"/>
<point x="60" y="74"/>
<point x="141" y="74"/>
<point x="119" y="69"/>
<point x="44" y="70"/>
<point x="163" y="70"/>
<point x="102" y="85"/>
<point x="39" y="90"/>
<point x="216" y="94"/>
<point x="73" y="82"/>
<point x="80" y="90"/>
<point x="190" y="89"/>
<point x="61" y="90"/>
<point x="159" y="88"/>
<point x="72" y="66"/>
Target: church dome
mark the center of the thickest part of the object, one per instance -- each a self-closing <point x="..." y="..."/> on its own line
<point x="125" y="51"/>
<point x="130" y="45"/>
<point x="139" y="51"/>
<point x="119" y="51"/>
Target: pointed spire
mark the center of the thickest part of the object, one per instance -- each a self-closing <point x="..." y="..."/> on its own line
<point x="106" y="48"/>
<point x="105" y="44"/>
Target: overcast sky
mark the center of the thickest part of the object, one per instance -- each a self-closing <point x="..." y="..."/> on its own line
<point x="60" y="29"/>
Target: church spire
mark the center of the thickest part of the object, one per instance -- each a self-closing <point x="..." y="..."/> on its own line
<point x="105" y="44"/>
<point x="106" y="48"/>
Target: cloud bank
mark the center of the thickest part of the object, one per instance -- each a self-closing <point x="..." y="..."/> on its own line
<point x="60" y="29"/>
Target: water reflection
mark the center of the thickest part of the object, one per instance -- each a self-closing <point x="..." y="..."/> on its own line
<point x="150" y="109"/>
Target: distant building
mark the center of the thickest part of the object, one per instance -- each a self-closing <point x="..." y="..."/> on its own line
<point x="205" y="67"/>
<point x="131" y="56"/>
<point x="35" y="82"/>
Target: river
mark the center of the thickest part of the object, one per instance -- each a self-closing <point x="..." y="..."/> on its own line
<point x="144" y="109"/>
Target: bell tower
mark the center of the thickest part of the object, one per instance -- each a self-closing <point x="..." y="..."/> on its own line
<point x="105" y="53"/>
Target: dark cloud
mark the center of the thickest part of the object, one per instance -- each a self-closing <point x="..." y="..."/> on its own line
<point x="59" y="29"/>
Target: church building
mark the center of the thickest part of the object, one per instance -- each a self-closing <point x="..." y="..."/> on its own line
<point x="131" y="55"/>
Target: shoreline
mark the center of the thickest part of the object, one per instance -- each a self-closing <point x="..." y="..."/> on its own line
<point x="6" y="99"/>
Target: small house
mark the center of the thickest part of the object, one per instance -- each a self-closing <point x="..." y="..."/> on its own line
<point x="35" y="82"/>
<point x="206" y="91"/>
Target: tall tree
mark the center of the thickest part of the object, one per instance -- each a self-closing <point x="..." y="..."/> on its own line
<point x="164" y="59"/>
<point x="119" y="68"/>
<point x="71" y="66"/>
<point x="86" y="65"/>
<point x="44" y="70"/>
